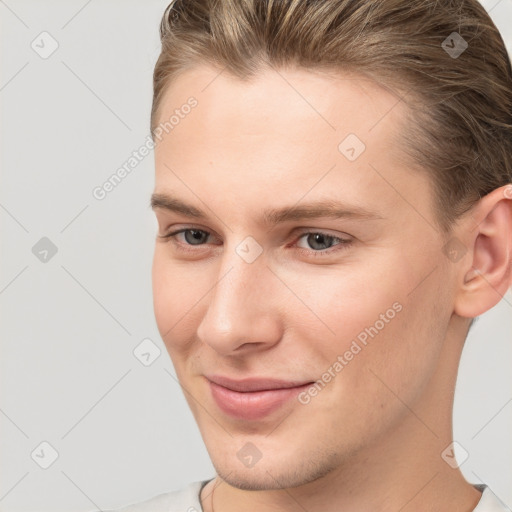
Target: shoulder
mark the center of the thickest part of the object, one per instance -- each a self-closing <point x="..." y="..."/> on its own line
<point x="489" y="502"/>
<point x="185" y="499"/>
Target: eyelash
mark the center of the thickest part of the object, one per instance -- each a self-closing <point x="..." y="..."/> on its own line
<point x="343" y="243"/>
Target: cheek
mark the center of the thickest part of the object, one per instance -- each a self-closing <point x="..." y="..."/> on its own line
<point x="379" y="297"/>
<point x="384" y="324"/>
<point x="393" y="365"/>
<point x="353" y="302"/>
<point x="175" y="299"/>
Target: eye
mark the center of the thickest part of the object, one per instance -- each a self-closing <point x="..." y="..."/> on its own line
<point x="317" y="240"/>
<point x="320" y="243"/>
<point x="194" y="236"/>
<point x="190" y="236"/>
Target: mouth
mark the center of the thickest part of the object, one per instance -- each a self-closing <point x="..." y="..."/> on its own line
<point x="255" y="398"/>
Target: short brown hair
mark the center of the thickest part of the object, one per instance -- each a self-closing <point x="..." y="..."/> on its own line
<point x="459" y="125"/>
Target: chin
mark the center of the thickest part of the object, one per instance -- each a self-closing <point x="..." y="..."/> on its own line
<point x="275" y="474"/>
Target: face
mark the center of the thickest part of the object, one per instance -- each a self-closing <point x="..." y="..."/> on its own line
<point x="297" y="276"/>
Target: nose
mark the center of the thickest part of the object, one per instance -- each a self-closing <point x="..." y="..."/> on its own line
<point x="242" y="312"/>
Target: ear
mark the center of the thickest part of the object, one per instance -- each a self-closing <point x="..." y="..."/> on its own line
<point x="486" y="274"/>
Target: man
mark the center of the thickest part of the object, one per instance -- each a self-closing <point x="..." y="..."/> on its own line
<point x="333" y="195"/>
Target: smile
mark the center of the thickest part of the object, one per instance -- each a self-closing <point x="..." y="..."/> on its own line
<point x="253" y="399"/>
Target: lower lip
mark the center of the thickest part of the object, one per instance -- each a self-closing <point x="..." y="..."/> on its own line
<point x="252" y="405"/>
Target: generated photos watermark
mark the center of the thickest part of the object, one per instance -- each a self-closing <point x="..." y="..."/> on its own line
<point x="100" y="192"/>
<point x="357" y="345"/>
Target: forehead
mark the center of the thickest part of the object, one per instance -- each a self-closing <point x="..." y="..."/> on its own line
<point x="283" y="130"/>
<point x="305" y="101"/>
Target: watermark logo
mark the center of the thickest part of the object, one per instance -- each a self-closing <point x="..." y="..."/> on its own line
<point x="351" y="147"/>
<point x="146" y="352"/>
<point x="249" y="455"/>
<point x="44" y="455"/>
<point x="45" y="45"/>
<point x="44" y="250"/>
<point x="249" y="249"/>
<point x="454" y="45"/>
<point x="454" y="249"/>
<point x="455" y="455"/>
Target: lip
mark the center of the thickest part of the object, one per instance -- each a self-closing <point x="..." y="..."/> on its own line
<point x="254" y="398"/>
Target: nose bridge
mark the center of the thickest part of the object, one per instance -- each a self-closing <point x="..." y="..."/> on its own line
<point x="238" y="308"/>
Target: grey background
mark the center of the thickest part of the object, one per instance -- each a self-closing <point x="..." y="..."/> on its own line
<point x="122" y="430"/>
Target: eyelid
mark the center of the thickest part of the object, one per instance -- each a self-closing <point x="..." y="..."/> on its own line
<point x="326" y="232"/>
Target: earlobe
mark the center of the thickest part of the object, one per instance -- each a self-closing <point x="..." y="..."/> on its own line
<point x="489" y="243"/>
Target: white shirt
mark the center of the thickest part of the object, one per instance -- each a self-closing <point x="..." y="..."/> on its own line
<point x="187" y="499"/>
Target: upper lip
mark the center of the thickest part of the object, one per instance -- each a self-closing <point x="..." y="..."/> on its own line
<point x="255" y="383"/>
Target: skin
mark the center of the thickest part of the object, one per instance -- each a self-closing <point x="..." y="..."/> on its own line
<point x="387" y="416"/>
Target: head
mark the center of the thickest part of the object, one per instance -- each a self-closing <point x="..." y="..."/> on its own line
<point x="333" y="210"/>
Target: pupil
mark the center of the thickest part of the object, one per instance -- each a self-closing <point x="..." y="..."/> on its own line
<point x="196" y="235"/>
<point x="319" y="238"/>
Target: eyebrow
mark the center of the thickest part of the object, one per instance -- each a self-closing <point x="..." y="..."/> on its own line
<point x="319" y="209"/>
